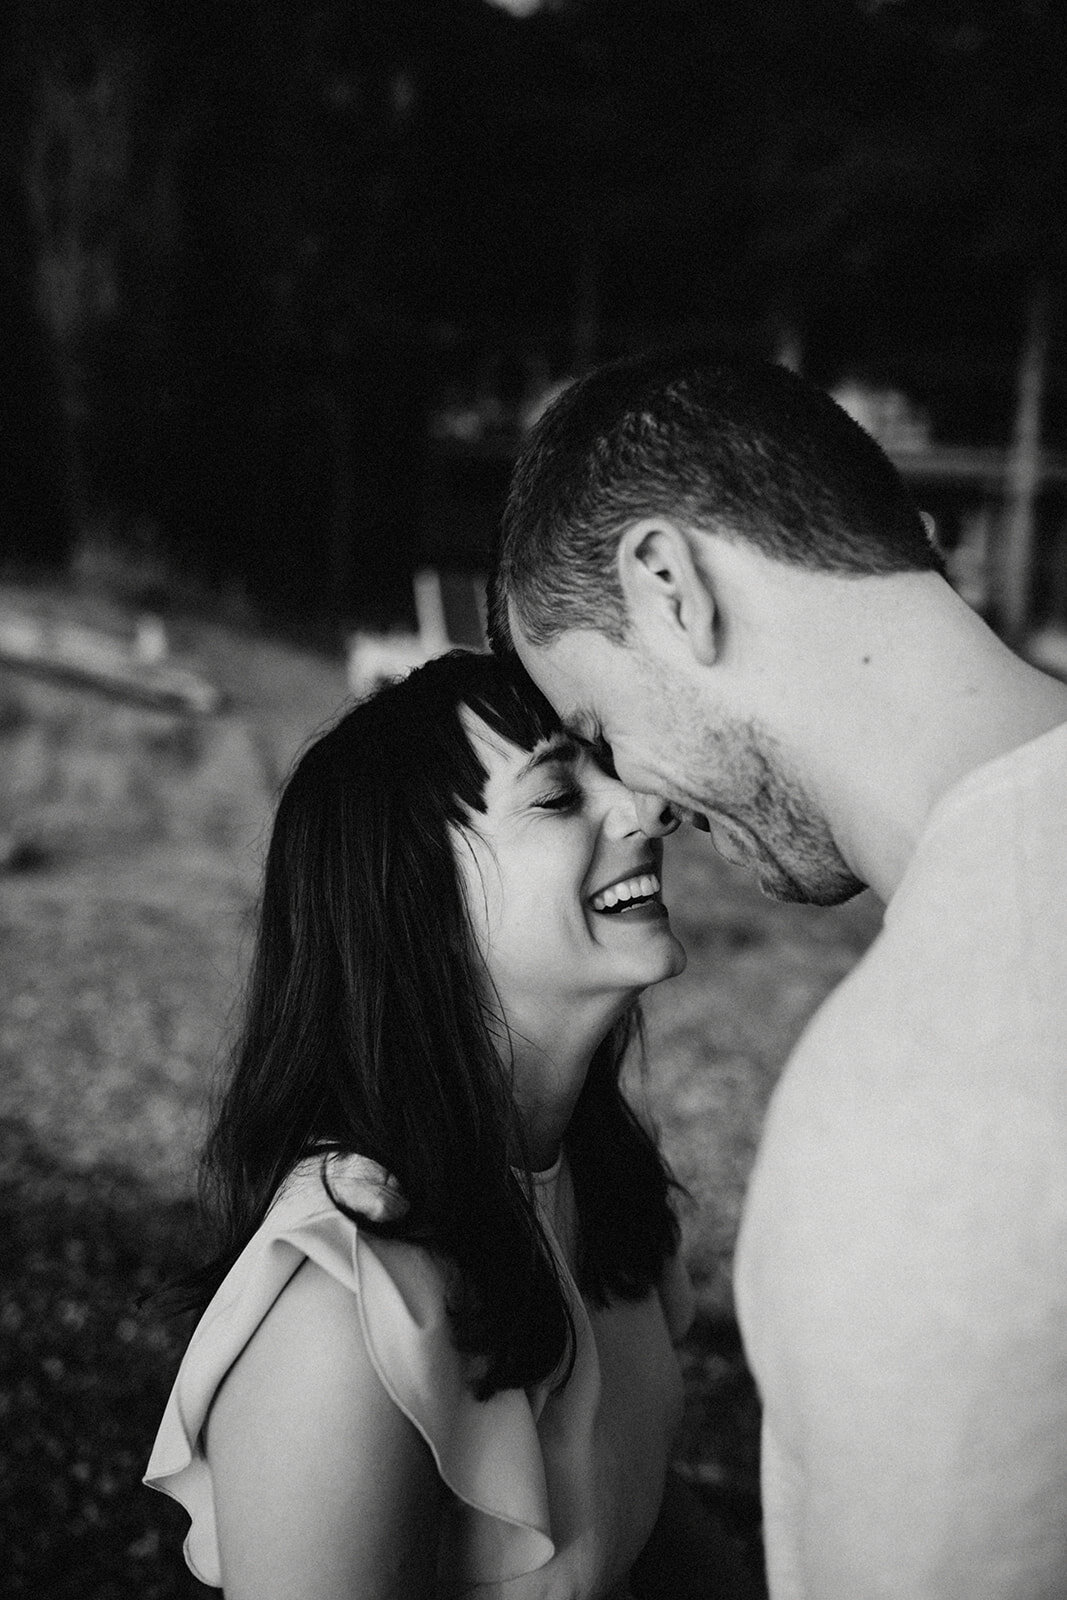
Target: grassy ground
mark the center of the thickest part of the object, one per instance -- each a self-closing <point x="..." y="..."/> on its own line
<point x="134" y="839"/>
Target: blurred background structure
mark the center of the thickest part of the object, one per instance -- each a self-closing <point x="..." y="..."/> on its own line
<point x="282" y="283"/>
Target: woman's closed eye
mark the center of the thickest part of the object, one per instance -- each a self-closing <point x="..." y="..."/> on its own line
<point x="564" y="798"/>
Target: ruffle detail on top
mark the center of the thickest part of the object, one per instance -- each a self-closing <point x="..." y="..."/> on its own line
<point x="487" y="1452"/>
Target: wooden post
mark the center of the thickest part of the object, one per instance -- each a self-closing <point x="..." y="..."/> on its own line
<point x="1015" y="564"/>
<point x="789" y="350"/>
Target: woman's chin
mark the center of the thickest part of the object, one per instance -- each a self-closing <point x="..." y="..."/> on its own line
<point x="675" y="965"/>
<point x="667" y="962"/>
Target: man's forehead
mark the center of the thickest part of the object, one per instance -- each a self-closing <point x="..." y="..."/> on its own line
<point x="564" y="670"/>
<point x="564" y="660"/>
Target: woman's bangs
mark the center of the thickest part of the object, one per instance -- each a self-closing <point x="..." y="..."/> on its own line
<point x="516" y="712"/>
<point x="413" y="731"/>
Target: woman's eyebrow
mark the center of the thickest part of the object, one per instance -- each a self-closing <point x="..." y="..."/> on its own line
<point x="562" y="749"/>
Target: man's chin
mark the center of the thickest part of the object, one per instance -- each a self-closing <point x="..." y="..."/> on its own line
<point x="822" y="881"/>
<point x="777" y="884"/>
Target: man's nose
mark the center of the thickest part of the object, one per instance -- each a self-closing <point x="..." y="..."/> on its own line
<point x="654" y="815"/>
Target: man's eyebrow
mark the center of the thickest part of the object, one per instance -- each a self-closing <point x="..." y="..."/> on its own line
<point x="561" y="749"/>
<point x="583" y="728"/>
<point x="589" y="735"/>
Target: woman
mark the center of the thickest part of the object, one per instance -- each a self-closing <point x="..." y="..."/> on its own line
<point x="437" y="1353"/>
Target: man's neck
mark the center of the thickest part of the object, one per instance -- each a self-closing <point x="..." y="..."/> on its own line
<point x="950" y="699"/>
<point x="883" y="690"/>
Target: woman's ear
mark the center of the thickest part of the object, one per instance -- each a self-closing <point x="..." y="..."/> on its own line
<point x="666" y="592"/>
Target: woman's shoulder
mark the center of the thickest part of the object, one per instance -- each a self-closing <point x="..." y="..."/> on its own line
<point x="270" y="1319"/>
<point x="313" y="1467"/>
<point x="317" y="1218"/>
<point x="318" y="1215"/>
<point x="315" y="1292"/>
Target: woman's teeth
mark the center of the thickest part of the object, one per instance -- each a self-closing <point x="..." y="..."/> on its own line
<point x="625" y="893"/>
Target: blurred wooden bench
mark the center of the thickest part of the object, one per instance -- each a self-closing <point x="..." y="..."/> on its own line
<point x="137" y="669"/>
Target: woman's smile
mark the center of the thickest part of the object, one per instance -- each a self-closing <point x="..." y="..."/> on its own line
<point x="635" y="897"/>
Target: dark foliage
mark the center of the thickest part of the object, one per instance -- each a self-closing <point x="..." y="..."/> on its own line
<point x="84" y="1375"/>
<point x="261" y="238"/>
<point x="85" y="1372"/>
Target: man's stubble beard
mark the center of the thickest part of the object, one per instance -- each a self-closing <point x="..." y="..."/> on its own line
<point x="788" y="843"/>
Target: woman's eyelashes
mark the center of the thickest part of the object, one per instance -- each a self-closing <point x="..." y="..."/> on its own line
<point x="566" y="797"/>
<point x="571" y="788"/>
<point x="574" y="777"/>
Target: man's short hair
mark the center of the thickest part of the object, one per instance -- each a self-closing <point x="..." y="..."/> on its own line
<point x="744" y="449"/>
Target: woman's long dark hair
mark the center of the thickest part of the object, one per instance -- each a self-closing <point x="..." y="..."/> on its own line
<point x="364" y="1032"/>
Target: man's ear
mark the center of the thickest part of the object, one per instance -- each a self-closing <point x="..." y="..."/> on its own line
<point x="665" y="589"/>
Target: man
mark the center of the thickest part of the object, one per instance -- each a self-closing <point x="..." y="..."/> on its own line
<point x="721" y="583"/>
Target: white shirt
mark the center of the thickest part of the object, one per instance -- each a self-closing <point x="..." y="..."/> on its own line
<point x="901" y="1271"/>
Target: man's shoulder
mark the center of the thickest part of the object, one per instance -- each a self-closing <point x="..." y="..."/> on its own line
<point x="942" y="1020"/>
<point x="960" y="1003"/>
<point x="905" y="1126"/>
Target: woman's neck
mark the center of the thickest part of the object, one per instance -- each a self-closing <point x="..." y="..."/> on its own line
<point x="551" y="1062"/>
<point x="549" y="1053"/>
<point x="546" y="1090"/>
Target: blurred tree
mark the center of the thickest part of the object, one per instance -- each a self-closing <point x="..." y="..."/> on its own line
<point x="850" y="181"/>
<point x="907" y="187"/>
<point x="920" y="189"/>
<point x="264" y="232"/>
<point x="210" y="188"/>
<point x="295" y="452"/>
<point x="95" y="176"/>
<point x="35" y="475"/>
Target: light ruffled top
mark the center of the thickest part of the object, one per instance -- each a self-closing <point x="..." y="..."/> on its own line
<point x="565" y="1486"/>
